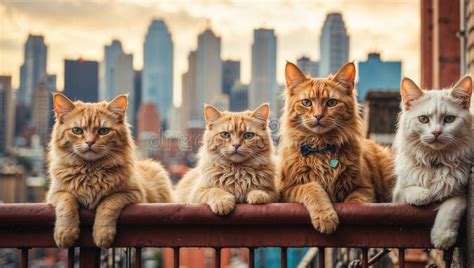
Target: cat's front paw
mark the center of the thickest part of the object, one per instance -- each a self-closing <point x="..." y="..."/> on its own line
<point x="103" y="235"/>
<point x="65" y="236"/>
<point x="443" y="239"/>
<point x="258" y="197"/>
<point x="325" y="221"/>
<point x="421" y="198"/>
<point x="223" y="205"/>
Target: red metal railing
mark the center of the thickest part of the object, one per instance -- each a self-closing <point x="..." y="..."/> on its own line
<point x="365" y="226"/>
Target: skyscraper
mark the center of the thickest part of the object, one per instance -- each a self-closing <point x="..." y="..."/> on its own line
<point x="41" y="111"/>
<point x="7" y="113"/>
<point x="308" y="66"/>
<point x="157" y="74"/>
<point x="33" y="68"/>
<point x="334" y="45"/>
<point x="239" y="98"/>
<point x="81" y="80"/>
<point x="230" y="75"/>
<point x="378" y="75"/>
<point x="209" y="69"/>
<point x="263" y="84"/>
<point x="192" y="111"/>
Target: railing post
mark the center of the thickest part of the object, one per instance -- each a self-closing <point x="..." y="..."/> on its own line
<point x="470" y="222"/>
<point x="89" y="257"/>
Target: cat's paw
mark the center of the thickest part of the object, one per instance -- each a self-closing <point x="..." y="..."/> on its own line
<point x="223" y="205"/>
<point x="258" y="197"/>
<point x="65" y="236"/>
<point x="103" y="235"/>
<point x="325" y="221"/>
<point x="443" y="239"/>
<point x="421" y="198"/>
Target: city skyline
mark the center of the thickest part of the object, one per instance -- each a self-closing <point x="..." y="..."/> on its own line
<point x="296" y="38"/>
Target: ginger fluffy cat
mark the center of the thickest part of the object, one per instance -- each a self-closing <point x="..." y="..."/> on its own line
<point x="235" y="162"/>
<point x="92" y="165"/>
<point x="324" y="157"/>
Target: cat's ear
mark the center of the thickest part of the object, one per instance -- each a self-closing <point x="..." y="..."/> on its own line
<point x="463" y="91"/>
<point x="409" y="91"/>
<point x="346" y="76"/>
<point x="293" y="75"/>
<point x="262" y="112"/>
<point x="211" y="113"/>
<point x="118" y="105"/>
<point x="62" y="105"/>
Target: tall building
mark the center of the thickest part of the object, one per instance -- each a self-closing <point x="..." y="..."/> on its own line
<point x="334" y="45"/>
<point x="148" y="128"/>
<point x="209" y="69"/>
<point x="378" y="75"/>
<point x="7" y="113"/>
<point x="137" y="86"/>
<point x="51" y="81"/>
<point x="157" y="74"/>
<point x="81" y="80"/>
<point x="191" y="103"/>
<point x="263" y="84"/>
<point x="33" y="69"/>
<point x="41" y="111"/>
<point x="308" y="66"/>
<point x="230" y="75"/>
<point x="239" y="98"/>
<point x="440" y="46"/>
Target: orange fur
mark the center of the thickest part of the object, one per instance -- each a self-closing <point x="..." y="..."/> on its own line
<point x="106" y="178"/>
<point x="364" y="173"/>
<point x="223" y="178"/>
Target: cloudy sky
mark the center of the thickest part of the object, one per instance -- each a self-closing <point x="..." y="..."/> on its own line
<point x="74" y="29"/>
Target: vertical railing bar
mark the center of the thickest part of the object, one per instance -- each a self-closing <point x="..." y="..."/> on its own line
<point x="24" y="258"/>
<point x="138" y="257"/>
<point x="129" y="257"/>
<point x="251" y="257"/>
<point x="113" y="257"/>
<point x="70" y="257"/>
<point x="284" y="257"/>
<point x="448" y="257"/>
<point x="401" y="257"/>
<point x="217" y="258"/>
<point x="365" y="258"/>
<point x="176" y="257"/>
<point x="322" y="258"/>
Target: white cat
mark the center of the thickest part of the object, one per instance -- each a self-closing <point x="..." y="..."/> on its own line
<point x="434" y="149"/>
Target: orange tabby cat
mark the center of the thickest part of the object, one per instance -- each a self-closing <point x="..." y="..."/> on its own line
<point x="324" y="157"/>
<point x="91" y="164"/>
<point x="235" y="162"/>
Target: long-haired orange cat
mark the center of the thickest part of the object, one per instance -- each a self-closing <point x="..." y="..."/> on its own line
<point x="324" y="157"/>
<point x="92" y="165"/>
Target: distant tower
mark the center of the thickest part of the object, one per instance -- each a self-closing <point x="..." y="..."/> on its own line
<point x="308" y="66"/>
<point x="191" y="114"/>
<point x="148" y="128"/>
<point x="230" y="75"/>
<point x="263" y="84"/>
<point x="334" y="45"/>
<point x="7" y="113"/>
<point x="157" y="74"/>
<point x="81" y="80"/>
<point x="41" y="111"/>
<point x="33" y="69"/>
<point x="239" y="97"/>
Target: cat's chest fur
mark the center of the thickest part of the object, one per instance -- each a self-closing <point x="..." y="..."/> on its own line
<point x="442" y="181"/>
<point x="89" y="184"/>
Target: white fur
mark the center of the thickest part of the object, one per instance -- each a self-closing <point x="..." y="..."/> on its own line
<point x="418" y="182"/>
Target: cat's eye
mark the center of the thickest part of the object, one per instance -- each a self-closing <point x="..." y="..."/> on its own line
<point x="77" y="130"/>
<point x="103" y="131"/>
<point x="225" y="135"/>
<point x="331" y="102"/>
<point x="307" y="102"/>
<point x="449" y="119"/>
<point x="423" y="119"/>
<point x="248" y="135"/>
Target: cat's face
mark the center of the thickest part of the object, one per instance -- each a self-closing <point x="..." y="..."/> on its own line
<point x="320" y="105"/>
<point x="436" y="118"/>
<point x="90" y="131"/>
<point x="237" y="136"/>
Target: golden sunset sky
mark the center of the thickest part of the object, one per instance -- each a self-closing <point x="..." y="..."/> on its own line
<point x="74" y="29"/>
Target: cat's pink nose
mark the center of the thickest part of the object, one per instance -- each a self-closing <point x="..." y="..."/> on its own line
<point x="318" y="116"/>
<point x="436" y="133"/>
<point x="90" y="143"/>
<point x="236" y="146"/>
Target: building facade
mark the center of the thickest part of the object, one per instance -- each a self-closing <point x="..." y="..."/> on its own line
<point x="157" y="73"/>
<point x="334" y="45"/>
<point x="41" y="111"/>
<point x="263" y="84"/>
<point x="7" y="114"/>
<point x="376" y="74"/>
<point x="239" y="98"/>
<point x="33" y="69"/>
<point x="81" y="80"/>
<point x="192" y="114"/>
<point x="230" y="75"/>
<point x="308" y="66"/>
